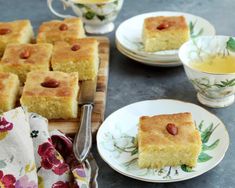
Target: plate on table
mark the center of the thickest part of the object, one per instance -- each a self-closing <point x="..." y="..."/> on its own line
<point x="146" y="61"/>
<point x="117" y="146"/>
<point x="129" y="33"/>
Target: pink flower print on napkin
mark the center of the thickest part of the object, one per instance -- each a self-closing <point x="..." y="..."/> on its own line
<point x="60" y="184"/>
<point x="7" y="181"/>
<point x="24" y="182"/>
<point x="5" y="126"/>
<point x="51" y="159"/>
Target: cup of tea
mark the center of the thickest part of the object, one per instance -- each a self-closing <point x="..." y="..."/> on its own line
<point x="98" y="15"/>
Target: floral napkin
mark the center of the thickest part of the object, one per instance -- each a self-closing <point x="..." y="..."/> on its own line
<point x="31" y="157"/>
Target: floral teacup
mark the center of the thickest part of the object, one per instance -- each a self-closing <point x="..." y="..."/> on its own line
<point x="213" y="89"/>
<point x="98" y="15"/>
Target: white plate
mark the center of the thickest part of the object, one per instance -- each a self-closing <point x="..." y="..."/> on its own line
<point x="143" y="60"/>
<point x="129" y="32"/>
<point x="151" y="58"/>
<point x="115" y="140"/>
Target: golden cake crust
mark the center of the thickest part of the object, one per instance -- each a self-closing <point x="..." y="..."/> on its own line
<point x="39" y="58"/>
<point x="62" y="50"/>
<point x="164" y="33"/>
<point x="17" y="30"/>
<point x="51" y="94"/>
<point x="174" y="22"/>
<point x="21" y="31"/>
<point x="50" y="31"/>
<point x="66" y="81"/>
<point x="152" y="130"/>
<point x="9" y="88"/>
<point x="84" y="59"/>
<point x="168" y="140"/>
<point x="38" y="53"/>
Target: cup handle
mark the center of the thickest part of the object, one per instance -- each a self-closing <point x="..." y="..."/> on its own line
<point x="66" y="3"/>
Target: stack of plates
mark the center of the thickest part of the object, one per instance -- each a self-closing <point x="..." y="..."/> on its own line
<point x="129" y="38"/>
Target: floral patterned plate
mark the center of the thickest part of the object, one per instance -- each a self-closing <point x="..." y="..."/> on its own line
<point x="129" y="33"/>
<point x="117" y="146"/>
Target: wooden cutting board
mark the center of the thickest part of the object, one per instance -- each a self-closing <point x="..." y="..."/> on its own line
<point x="71" y="126"/>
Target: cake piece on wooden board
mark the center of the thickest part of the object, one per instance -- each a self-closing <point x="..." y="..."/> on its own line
<point x="19" y="31"/>
<point x="80" y="56"/>
<point x="164" y="33"/>
<point x="56" y="30"/>
<point x="51" y="94"/>
<point x="168" y="140"/>
<point x="9" y="91"/>
<point x="23" y="58"/>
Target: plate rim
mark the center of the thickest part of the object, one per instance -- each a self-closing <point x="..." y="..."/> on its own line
<point x="144" y="57"/>
<point x="171" y="180"/>
<point x="155" y="64"/>
<point x="164" y="12"/>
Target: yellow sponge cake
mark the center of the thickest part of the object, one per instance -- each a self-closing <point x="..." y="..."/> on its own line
<point x="80" y="56"/>
<point x="9" y="91"/>
<point x="56" y="30"/>
<point x="19" y="31"/>
<point x="168" y="140"/>
<point x="51" y="94"/>
<point x="164" y="33"/>
<point x="23" y="58"/>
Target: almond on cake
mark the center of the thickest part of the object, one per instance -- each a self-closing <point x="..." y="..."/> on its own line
<point x="164" y="33"/>
<point x="56" y="30"/>
<point x="9" y="91"/>
<point x="51" y="94"/>
<point x="19" y="31"/>
<point x="80" y="56"/>
<point x="23" y="58"/>
<point x="168" y="140"/>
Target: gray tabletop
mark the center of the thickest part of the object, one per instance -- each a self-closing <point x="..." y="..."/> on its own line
<point x="131" y="82"/>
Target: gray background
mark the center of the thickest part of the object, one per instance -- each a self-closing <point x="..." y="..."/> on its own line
<point x="131" y="82"/>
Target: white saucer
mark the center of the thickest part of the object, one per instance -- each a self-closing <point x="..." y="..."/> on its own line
<point x="146" y="61"/>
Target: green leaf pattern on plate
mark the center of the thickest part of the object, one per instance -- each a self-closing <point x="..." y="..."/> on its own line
<point x="124" y="144"/>
<point x="193" y="33"/>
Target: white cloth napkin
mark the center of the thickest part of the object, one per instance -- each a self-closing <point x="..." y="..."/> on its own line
<point x="31" y="157"/>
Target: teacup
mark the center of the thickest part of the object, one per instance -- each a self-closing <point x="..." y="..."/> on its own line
<point x="98" y="15"/>
<point x="213" y="89"/>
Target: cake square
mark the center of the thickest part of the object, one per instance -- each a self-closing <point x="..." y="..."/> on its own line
<point x="160" y="147"/>
<point x="51" y="94"/>
<point x="164" y="33"/>
<point x="23" y="58"/>
<point x="80" y="56"/>
<point x="19" y="31"/>
<point x="56" y="30"/>
<point x="9" y="91"/>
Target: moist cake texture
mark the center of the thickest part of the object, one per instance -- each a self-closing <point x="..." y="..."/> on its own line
<point x="168" y="140"/>
<point x="80" y="56"/>
<point x="56" y="30"/>
<point x="51" y="94"/>
<point x="164" y="33"/>
<point x="19" y="31"/>
<point x="9" y="91"/>
<point x="23" y="58"/>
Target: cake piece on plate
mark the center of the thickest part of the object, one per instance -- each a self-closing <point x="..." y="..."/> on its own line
<point x="164" y="33"/>
<point x="56" y="30"/>
<point x="19" y="31"/>
<point x="23" y="58"/>
<point x="51" y="94"/>
<point x="168" y="140"/>
<point x="9" y="91"/>
<point x="80" y="56"/>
